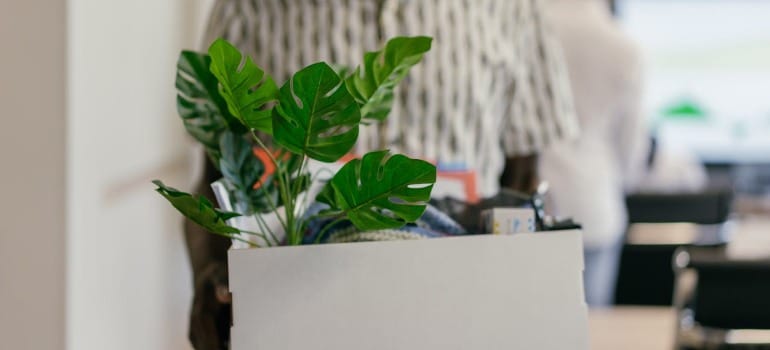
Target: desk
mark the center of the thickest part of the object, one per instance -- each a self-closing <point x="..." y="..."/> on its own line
<point x="631" y="328"/>
<point x="635" y="327"/>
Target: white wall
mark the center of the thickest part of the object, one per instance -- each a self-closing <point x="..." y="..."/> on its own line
<point x="32" y="174"/>
<point x="129" y="285"/>
<point x="90" y="256"/>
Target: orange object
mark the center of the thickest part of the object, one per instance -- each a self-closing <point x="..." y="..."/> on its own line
<point x="268" y="163"/>
<point x="468" y="179"/>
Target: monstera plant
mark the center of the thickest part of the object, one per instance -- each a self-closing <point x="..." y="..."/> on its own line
<point x="232" y="107"/>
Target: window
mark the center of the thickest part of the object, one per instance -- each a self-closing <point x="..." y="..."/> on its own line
<point x="707" y="74"/>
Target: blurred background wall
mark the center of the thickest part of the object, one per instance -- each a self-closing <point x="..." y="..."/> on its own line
<point x="707" y="75"/>
<point x="90" y="256"/>
<point x="129" y="285"/>
<point x="32" y="152"/>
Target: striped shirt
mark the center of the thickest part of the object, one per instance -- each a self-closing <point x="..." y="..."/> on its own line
<point x="492" y="86"/>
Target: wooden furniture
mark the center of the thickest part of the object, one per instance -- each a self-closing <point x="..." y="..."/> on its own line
<point x="632" y="328"/>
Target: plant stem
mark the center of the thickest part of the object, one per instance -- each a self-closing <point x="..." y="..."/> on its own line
<point x="327" y="227"/>
<point x="265" y="227"/>
<point x="233" y="236"/>
<point x="284" y="189"/>
<point x="273" y="207"/>
<point x="291" y="235"/>
<point x="258" y="234"/>
<point x="298" y="185"/>
<point x="320" y="171"/>
<point x="278" y="169"/>
<point x="328" y="215"/>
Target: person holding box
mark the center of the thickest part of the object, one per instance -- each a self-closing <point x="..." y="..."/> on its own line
<point x="491" y="94"/>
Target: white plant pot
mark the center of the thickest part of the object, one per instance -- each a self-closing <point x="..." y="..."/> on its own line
<point x="488" y="292"/>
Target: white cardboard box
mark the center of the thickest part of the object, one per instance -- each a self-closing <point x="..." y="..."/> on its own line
<point x="482" y="292"/>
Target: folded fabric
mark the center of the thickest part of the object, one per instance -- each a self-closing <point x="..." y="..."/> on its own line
<point x="432" y="224"/>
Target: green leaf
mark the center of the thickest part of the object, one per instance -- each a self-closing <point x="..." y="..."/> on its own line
<point x="316" y="115"/>
<point x="202" y="110"/>
<point x="242" y="169"/>
<point x="372" y="84"/>
<point x="199" y="210"/>
<point x="245" y="87"/>
<point x="381" y="190"/>
<point x="341" y="69"/>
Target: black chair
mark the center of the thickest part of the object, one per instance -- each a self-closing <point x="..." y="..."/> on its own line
<point x="659" y="224"/>
<point x="723" y="301"/>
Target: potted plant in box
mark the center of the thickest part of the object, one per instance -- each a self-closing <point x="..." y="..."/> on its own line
<point x="228" y="103"/>
<point x="393" y="296"/>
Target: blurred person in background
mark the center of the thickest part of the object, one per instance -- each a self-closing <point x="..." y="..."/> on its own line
<point x="490" y="94"/>
<point x="590" y="176"/>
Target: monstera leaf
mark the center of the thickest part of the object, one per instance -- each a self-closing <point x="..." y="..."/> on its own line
<point x="202" y="110"/>
<point x="242" y="170"/>
<point x="199" y="210"/>
<point x="316" y="115"/>
<point x="253" y="182"/>
<point x="381" y="190"/>
<point x="244" y="86"/>
<point x="372" y="84"/>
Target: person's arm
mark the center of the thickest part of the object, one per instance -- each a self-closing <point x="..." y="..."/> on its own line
<point x="520" y="173"/>
<point x="210" y="311"/>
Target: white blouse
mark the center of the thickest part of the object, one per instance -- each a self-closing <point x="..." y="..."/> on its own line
<point x="491" y="86"/>
<point x="589" y="175"/>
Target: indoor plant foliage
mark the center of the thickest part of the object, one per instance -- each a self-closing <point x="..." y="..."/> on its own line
<point x="227" y="103"/>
